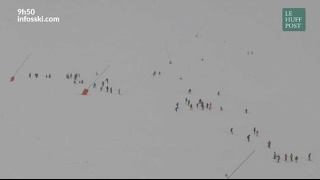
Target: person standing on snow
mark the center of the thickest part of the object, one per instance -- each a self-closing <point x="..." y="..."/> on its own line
<point x="188" y="102"/>
<point x="285" y="157"/>
<point x="291" y="156"/>
<point x="269" y="144"/>
<point x="248" y="138"/>
<point x="254" y="130"/>
<point x="107" y="88"/>
<point x="296" y="158"/>
<point x="274" y="155"/>
<point x="218" y="93"/>
<point x="119" y="91"/>
<point x="309" y="157"/>
<point x="231" y="131"/>
<point x="278" y="158"/>
<point x="246" y="111"/>
<point x="110" y="89"/>
<point x="94" y="85"/>
<point x="102" y="83"/>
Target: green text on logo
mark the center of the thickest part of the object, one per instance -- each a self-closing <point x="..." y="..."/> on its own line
<point x="293" y="19"/>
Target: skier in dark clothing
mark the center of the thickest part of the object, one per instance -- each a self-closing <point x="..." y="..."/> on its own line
<point x="36" y="75"/>
<point x="231" y="130"/>
<point x="291" y="156"/>
<point x="46" y="76"/>
<point x="202" y="105"/>
<point x="218" y="93"/>
<point x="274" y="155"/>
<point x="278" y="158"/>
<point x="189" y="91"/>
<point x="118" y="91"/>
<point x="248" y="138"/>
<point x="159" y="73"/>
<point x="254" y="130"/>
<point x="188" y="102"/>
<point x="176" y="109"/>
<point x="285" y="157"/>
<point x="107" y="80"/>
<point x="246" y="111"/>
<point x="49" y="76"/>
<point x="221" y="109"/>
<point x="200" y="100"/>
<point x="29" y="75"/>
<point x="177" y="105"/>
<point x="110" y="89"/>
<point x="309" y="157"/>
<point x="94" y="85"/>
<point x="207" y="105"/>
<point x="102" y="83"/>
<point x="191" y="107"/>
<point x="107" y="88"/>
<point x="296" y="158"/>
<point x="197" y="105"/>
<point x="269" y="144"/>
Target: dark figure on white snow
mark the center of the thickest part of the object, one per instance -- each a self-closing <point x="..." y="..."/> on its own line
<point x="274" y="155"/>
<point x="97" y="73"/>
<point x="176" y="109"/>
<point x="82" y="81"/>
<point x="200" y="100"/>
<point x="254" y="130"/>
<point x="248" y="138"/>
<point x="197" y="105"/>
<point x="286" y="157"/>
<point x="74" y="82"/>
<point x="180" y="78"/>
<point x="36" y="75"/>
<point x="101" y="88"/>
<point x="202" y="59"/>
<point x="70" y="75"/>
<point x="296" y="158"/>
<point x="29" y="75"/>
<point x="107" y="88"/>
<point x="309" y="157"/>
<point x="94" y="85"/>
<point x="246" y="111"/>
<point x="75" y="76"/>
<point x="207" y="105"/>
<point x="67" y="76"/>
<point x="269" y="144"/>
<point x="188" y="102"/>
<point x="49" y="76"/>
<point x="118" y="91"/>
<point x="291" y="156"/>
<point x="189" y="91"/>
<point x="191" y="107"/>
<point x="154" y="73"/>
<point x="107" y="80"/>
<point x="177" y="105"/>
<point x="110" y="89"/>
<point x="46" y="76"/>
<point x="278" y="158"/>
<point x="159" y="73"/>
<point x="231" y="130"/>
<point x="221" y="109"/>
<point x="218" y="93"/>
<point x="102" y="83"/>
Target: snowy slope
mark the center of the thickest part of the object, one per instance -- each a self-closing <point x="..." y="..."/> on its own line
<point x="49" y="130"/>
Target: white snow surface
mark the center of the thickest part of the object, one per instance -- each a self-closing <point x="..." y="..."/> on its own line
<point x="49" y="130"/>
